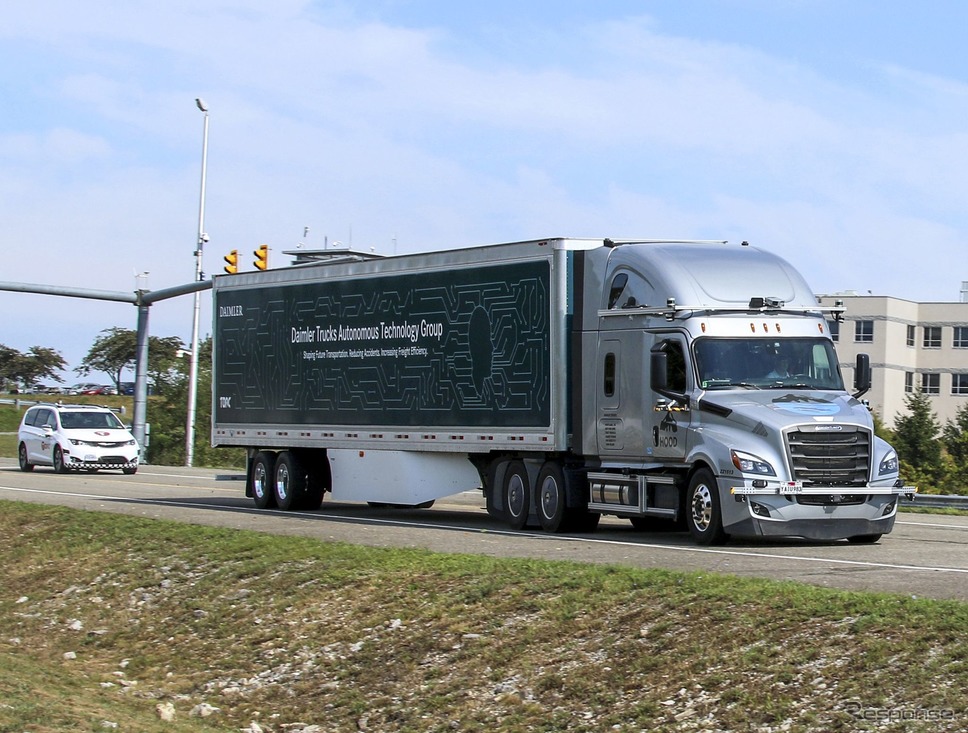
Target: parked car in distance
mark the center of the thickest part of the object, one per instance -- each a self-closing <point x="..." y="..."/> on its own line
<point x="75" y="438"/>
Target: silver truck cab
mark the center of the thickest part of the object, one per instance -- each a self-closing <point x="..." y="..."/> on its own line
<point x="719" y="399"/>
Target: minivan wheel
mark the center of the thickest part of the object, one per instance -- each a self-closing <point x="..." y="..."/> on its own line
<point x="59" y="465"/>
<point x="25" y="465"/>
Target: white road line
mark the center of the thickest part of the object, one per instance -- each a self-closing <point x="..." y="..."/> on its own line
<point x="511" y="533"/>
<point x="932" y="524"/>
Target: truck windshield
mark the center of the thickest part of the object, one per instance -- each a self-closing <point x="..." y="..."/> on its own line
<point x="761" y="363"/>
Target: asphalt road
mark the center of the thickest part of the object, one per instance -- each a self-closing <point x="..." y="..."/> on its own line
<point x="925" y="556"/>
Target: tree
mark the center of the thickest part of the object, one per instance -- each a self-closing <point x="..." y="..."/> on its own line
<point x="169" y="412"/>
<point x="917" y="444"/>
<point x="117" y="348"/>
<point x="24" y="370"/>
<point x="955" y="438"/>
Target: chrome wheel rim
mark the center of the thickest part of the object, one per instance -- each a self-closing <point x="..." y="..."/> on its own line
<point x="702" y="507"/>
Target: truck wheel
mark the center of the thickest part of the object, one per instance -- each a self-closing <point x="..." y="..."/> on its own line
<point x="552" y="509"/>
<point x="494" y="489"/>
<point x="25" y="464"/>
<point x="517" y="495"/>
<point x="705" y="517"/>
<point x="262" y="474"/>
<point x="290" y="483"/>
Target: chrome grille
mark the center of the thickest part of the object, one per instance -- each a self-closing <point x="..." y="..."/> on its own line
<point x="830" y="457"/>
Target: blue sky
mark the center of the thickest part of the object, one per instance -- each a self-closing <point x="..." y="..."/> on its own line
<point x="832" y="133"/>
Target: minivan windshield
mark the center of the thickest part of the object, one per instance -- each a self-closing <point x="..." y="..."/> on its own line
<point x="765" y="363"/>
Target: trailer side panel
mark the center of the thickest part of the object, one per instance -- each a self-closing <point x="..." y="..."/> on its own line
<point x="464" y="347"/>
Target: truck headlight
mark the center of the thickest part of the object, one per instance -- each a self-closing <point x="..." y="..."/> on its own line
<point x="888" y="464"/>
<point x="748" y="463"/>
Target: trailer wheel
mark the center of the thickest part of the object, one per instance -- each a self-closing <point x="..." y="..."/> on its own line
<point x="517" y="494"/>
<point x="262" y="473"/>
<point x="290" y="481"/>
<point x="552" y="498"/>
<point x="705" y="516"/>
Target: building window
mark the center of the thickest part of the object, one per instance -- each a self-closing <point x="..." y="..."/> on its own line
<point x="910" y="335"/>
<point x="932" y="337"/>
<point x="959" y="384"/>
<point x="833" y="327"/>
<point x="961" y="337"/>
<point x="909" y="382"/>
<point x="931" y="383"/>
<point x="864" y="331"/>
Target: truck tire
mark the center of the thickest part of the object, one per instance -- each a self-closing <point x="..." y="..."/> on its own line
<point x="289" y="486"/>
<point x="493" y="480"/>
<point x="263" y="471"/>
<point x="517" y="494"/>
<point x="552" y="498"/>
<point x="703" y="509"/>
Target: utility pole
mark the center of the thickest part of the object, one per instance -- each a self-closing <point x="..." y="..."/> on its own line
<point x="199" y="275"/>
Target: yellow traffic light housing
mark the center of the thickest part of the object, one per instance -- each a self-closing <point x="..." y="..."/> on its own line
<point x="232" y="262"/>
<point x="262" y="257"/>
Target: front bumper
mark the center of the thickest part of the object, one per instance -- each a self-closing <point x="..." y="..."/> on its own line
<point x="94" y="461"/>
<point x="820" y="514"/>
<point x="827" y="529"/>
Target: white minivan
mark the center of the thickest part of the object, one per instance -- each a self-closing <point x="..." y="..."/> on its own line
<point x="75" y="438"/>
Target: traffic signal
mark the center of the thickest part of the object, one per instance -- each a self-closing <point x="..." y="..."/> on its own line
<point x="262" y="257"/>
<point x="232" y="262"/>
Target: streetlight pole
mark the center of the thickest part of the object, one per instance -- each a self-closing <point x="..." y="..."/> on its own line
<point x="199" y="276"/>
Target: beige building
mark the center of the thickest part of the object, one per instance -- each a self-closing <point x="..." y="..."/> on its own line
<point x="910" y="345"/>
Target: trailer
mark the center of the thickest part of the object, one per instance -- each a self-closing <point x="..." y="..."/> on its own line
<point x="564" y="378"/>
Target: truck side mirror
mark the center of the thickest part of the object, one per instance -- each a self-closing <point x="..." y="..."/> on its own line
<point x="862" y="375"/>
<point x="659" y="376"/>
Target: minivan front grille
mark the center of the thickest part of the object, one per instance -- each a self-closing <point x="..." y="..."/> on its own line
<point x="830" y="455"/>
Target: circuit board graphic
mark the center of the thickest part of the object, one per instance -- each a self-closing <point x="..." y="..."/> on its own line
<point x="463" y="347"/>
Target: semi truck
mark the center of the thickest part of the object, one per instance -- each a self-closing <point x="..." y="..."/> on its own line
<point x="672" y="383"/>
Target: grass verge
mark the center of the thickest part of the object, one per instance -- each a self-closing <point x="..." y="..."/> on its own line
<point x="104" y="618"/>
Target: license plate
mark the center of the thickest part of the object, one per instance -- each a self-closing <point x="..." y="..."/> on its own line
<point x="791" y="487"/>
